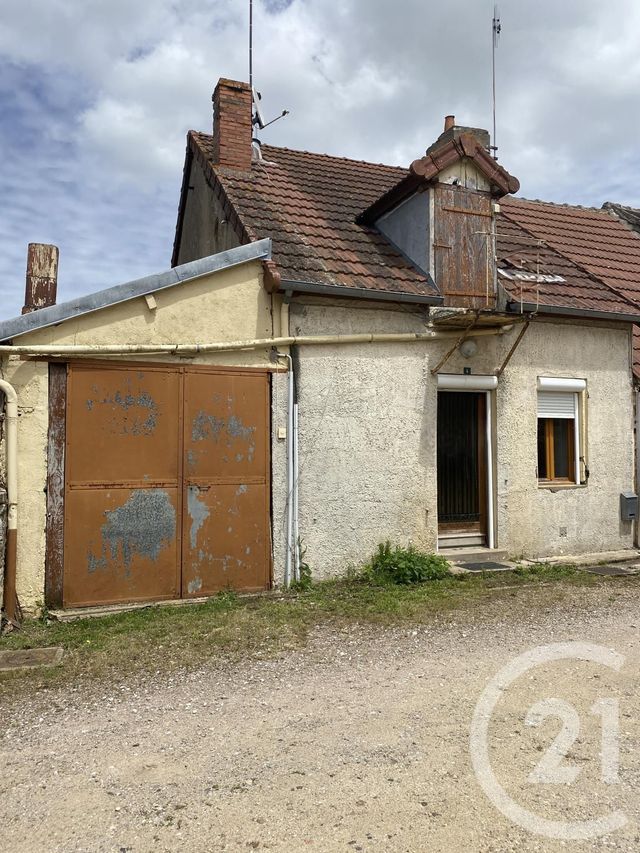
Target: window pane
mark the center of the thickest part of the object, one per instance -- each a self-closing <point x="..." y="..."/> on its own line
<point x="542" y="449"/>
<point x="561" y="449"/>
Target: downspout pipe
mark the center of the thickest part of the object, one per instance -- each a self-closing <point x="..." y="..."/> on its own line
<point x="289" y="544"/>
<point x="10" y="599"/>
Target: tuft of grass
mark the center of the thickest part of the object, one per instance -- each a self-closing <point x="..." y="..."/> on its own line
<point x="228" y="627"/>
<point x="404" y="565"/>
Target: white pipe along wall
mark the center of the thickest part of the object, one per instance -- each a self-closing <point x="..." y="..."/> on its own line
<point x="69" y="350"/>
<point x="231" y="346"/>
<point x="9" y="602"/>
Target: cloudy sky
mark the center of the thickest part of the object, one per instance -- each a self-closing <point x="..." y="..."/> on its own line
<point x="96" y="97"/>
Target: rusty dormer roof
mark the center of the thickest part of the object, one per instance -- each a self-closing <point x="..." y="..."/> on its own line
<point x="466" y="145"/>
<point x="439" y="157"/>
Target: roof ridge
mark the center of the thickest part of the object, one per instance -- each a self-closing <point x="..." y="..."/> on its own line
<point x="608" y="205"/>
<point x="316" y="154"/>
<point x="334" y="157"/>
<point x="582" y="268"/>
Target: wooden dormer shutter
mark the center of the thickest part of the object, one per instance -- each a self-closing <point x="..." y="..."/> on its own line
<point x="464" y="264"/>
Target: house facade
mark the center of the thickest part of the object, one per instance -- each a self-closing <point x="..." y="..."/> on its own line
<point x="503" y="439"/>
<point x="343" y="353"/>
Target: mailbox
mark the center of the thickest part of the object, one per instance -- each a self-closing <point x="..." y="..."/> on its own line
<point x="628" y="506"/>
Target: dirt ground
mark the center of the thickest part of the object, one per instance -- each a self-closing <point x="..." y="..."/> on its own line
<point x="358" y="742"/>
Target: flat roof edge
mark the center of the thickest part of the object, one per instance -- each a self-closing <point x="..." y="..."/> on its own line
<point x="55" y="314"/>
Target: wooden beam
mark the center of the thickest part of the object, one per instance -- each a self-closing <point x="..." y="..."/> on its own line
<point x="55" y="485"/>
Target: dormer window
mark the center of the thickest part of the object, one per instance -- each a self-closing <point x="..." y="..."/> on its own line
<point x="441" y="216"/>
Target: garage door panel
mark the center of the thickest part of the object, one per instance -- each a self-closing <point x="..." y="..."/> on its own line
<point x="124" y="547"/>
<point x="225" y="425"/>
<point x="166" y="483"/>
<point x="123" y="425"/>
<point x="225" y="539"/>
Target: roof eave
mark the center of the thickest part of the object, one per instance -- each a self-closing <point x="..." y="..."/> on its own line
<point x="359" y="292"/>
<point x="55" y="314"/>
<point x="560" y="310"/>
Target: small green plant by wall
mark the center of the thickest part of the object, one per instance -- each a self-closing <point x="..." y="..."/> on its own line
<point x="395" y="564"/>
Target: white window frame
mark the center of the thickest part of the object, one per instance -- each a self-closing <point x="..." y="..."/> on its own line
<point x="565" y="385"/>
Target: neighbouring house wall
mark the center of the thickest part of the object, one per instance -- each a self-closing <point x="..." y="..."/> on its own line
<point x="205" y="230"/>
<point x="368" y="416"/>
<point x="228" y="305"/>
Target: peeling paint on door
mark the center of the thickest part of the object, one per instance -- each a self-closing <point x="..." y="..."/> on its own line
<point x="166" y="483"/>
<point x="142" y="526"/>
<point x="198" y="513"/>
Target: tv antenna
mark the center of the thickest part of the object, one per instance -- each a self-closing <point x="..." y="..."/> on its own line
<point x="496" y="28"/>
<point x="257" y="120"/>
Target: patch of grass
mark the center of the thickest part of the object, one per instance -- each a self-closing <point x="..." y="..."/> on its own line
<point x="404" y="565"/>
<point x="228" y="626"/>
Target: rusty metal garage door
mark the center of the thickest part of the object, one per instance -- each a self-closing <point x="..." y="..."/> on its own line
<point x="166" y="483"/>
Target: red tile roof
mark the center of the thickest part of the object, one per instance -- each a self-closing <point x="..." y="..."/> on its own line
<point x="309" y="203"/>
<point x="598" y="242"/>
<point x="520" y="251"/>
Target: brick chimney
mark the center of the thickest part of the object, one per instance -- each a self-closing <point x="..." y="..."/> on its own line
<point x="42" y="277"/>
<point x="232" y="128"/>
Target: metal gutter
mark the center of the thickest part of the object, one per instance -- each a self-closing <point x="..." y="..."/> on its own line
<point x="585" y="313"/>
<point x="358" y="292"/>
<point x="51" y="316"/>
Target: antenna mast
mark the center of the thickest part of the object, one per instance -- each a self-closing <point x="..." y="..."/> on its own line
<point x="257" y="119"/>
<point x="496" y="27"/>
<point x="251" y="44"/>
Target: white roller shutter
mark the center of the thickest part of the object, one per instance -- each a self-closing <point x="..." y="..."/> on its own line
<point x="560" y="383"/>
<point x="556" y="404"/>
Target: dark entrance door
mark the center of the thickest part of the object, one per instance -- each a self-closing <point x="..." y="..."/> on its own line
<point x="461" y="463"/>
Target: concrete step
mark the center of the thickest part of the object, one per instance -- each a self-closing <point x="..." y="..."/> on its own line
<point x="461" y="540"/>
<point x="473" y="554"/>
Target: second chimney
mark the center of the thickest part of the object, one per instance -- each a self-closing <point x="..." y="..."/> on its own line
<point x="42" y="277"/>
<point x="232" y="128"/>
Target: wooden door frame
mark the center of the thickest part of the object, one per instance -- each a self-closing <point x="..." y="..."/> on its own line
<point x="486" y="495"/>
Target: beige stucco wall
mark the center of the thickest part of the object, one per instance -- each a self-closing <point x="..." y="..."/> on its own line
<point x="367" y="422"/>
<point x="227" y="305"/>
<point x="368" y="437"/>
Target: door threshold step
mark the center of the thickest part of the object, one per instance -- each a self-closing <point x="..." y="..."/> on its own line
<point x="473" y="554"/>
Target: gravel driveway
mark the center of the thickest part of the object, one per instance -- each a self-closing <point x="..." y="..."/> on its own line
<point x="358" y="742"/>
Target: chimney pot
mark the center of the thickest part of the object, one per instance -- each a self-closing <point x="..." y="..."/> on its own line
<point x="42" y="277"/>
<point x="449" y="123"/>
<point x="232" y="124"/>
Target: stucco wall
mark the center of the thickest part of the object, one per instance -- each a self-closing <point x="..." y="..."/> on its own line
<point x="368" y="437"/>
<point x="227" y="305"/>
<point x="368" y="417"/>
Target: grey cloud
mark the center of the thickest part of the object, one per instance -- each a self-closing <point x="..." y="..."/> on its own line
<point x="95" y="154"/>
